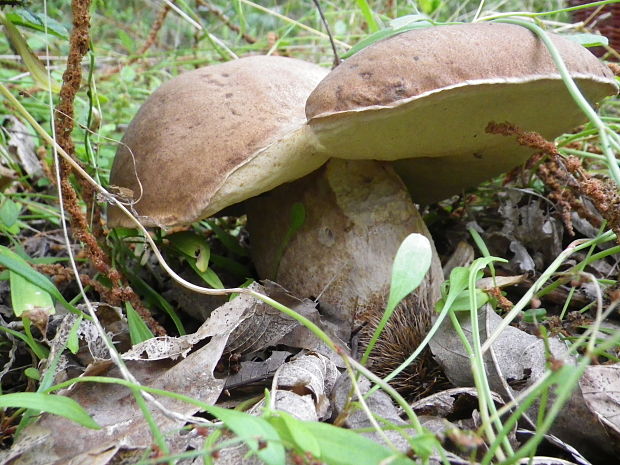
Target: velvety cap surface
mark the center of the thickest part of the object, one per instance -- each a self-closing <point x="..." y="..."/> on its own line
<point x="204" y="126"/>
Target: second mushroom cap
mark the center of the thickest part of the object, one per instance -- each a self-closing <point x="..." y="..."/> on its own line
<point x="427" y="95"/>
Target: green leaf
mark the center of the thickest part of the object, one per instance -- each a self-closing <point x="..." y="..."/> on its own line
<point x="15" y="263"/>
<point x="154" y="298"/>
<point x="9" y="212"/>
<point x="588" y="40"/>
<point x="339" y="446"/>
<point x="413" y="259"/>
<point x="138" y="330"/>
<point x="193" y="246"/>
<point x="298" y="433"/>
<point x="460" y="303"/>
<point x="126" y="40"/>
<point x="50" y="403"/>
<point x="37" y="22"/>
<point x="32" y="373"/>
<point x="369" y="16"/>
<point x="534" y="315"/>
<point x="28" y="297"/>
<point x="73" y="342"/>
<point x="397" y="26"/>
<point x="207" y="276"/>
<point x="260" y="437"/>
<point x="33" y="64"/>
<point x="39" y="350"/>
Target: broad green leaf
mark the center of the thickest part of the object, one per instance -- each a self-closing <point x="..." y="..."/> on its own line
<point x="37" y="22"/>
<point x="413" y="259"/>
<point x="429" y="6"/>
<point x="297" y="432"/>
<point x="138" y="330"/>
<point x="207" y="276"/>
<point x="33" y="64"/>
<point x="193" y="246"/>
<point x="28" y="297"/>
<point x="457" y="284"/>
<point x="344" y="447"/>
<point x="587" y="39"/>
<point x="9" y="212"/>
<point x="260" y="437"/>
<point x="460" y="303"/>
<point x="50" y="403"/>
<point x="32" y="373"/>
<point x="15" y="263"/>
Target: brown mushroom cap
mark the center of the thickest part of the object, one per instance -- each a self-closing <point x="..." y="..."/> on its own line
<point x="430" y="93"/>
<point x="215" y="136"/>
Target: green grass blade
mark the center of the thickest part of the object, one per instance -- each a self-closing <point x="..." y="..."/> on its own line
<point x="50" y="403"/>
<point x="138" y="330"/>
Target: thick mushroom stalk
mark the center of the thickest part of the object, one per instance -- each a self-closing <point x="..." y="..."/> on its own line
<point x="357" y="213"/>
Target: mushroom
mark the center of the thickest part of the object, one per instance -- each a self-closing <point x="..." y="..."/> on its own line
<point x="423" y="99"/>
<point x="235" y="131"/>
<point x="223" y="134"/>
<point x="420" y="101"/>
<point x="212" y="137"/>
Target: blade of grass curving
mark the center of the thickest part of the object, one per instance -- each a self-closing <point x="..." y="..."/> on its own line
<point x="50" y="403"/>
<point x="138" y="330"/>
<point x="39" y="350"/>
<point x="35" y="67"/>
<point x="530" y="14"/>
<point x="485" y="397"/>
<point x="412" y="261"/>
<point x="368" y="15"/>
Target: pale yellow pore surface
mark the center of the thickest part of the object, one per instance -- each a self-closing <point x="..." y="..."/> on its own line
<point x="426" y="96"/>
<point x="215" y="136"/>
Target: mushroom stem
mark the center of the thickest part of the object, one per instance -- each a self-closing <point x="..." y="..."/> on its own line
<point x="357" y="213"/>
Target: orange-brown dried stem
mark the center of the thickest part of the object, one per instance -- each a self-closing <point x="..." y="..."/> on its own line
<point x="227" y="22"/>
<point x="157" y="25"/>
<point x="568" y="181"/>
<point x="63" y="124"/>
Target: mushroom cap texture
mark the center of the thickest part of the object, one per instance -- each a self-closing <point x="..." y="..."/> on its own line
<point x="215" y="136"/>
<point x="425" y="97"/>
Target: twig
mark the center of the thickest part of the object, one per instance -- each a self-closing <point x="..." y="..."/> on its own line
<point x="329" y="33"/>
<point x="226" y="20"/>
